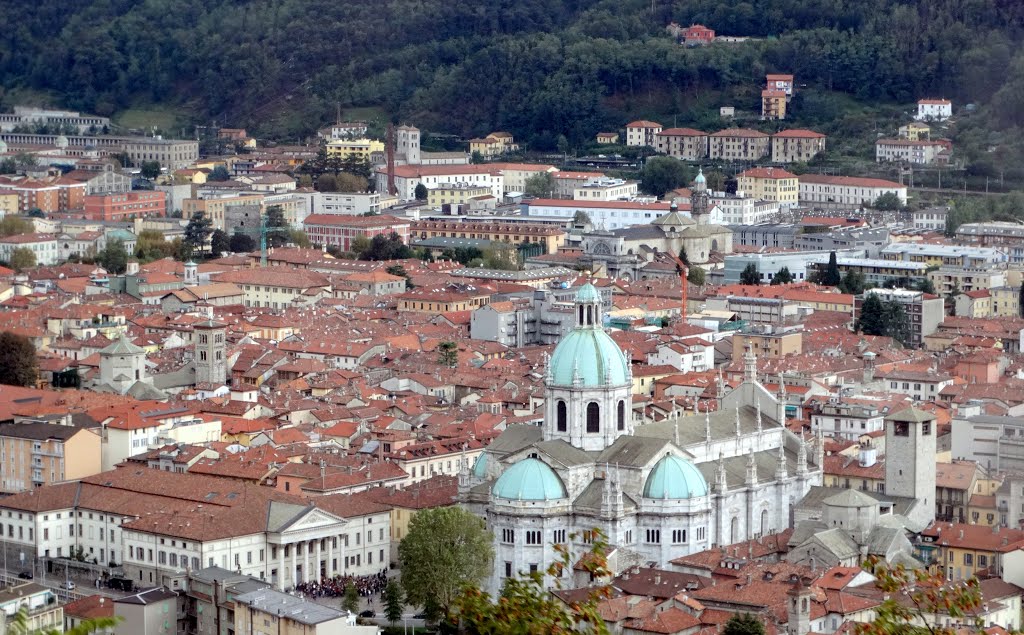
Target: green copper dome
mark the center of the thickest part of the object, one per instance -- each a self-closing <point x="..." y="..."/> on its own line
<point x="588" y="293"/>
<point x="480" y="467"/>
<point x="529" y="480"/>
<point x="674" y="478"/>
<point x="593" y="355"/>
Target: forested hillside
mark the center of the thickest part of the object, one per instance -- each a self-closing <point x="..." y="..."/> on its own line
<point x="539" y="69"/>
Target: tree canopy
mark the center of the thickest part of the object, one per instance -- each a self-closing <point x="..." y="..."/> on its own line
<point x="18" y="363"/>
<point x="22" y="258"/>
<point x="661" y="174"/>
<point x="750" y="275"/>
<point x="114" y="257"/>
<point x="743" y="624"/>
<point x="446" y="550"/>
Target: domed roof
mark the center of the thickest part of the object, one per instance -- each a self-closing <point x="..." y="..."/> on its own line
<point x="700" y="176"/>
<point x="588" y="293"/>
<point x="674" y="478"/>
<point x="61" y="141"/>
<point x="480" y="467"/>
<point x="529" y="480"/>
<point x="591" y="353"/>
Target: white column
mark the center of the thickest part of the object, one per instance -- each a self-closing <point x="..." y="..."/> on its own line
<point x="330" y="556"/>
<point x="307" y="574"/>
<point x="280" y="567"/>
<point x="295" y="562"/>
<point x="316" y="563"/>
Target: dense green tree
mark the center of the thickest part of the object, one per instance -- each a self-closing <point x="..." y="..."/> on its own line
<point x="541" y="185"/>
<point x="888" y="202"/>
<point x="683" y="256"/>
<point x="20" y="624"/>
<point x="1020" y="300"/>
<point x="448" y="354"/>
<point x="350" y="600"/>
<point x="896" y="321"/>
<point x="394" y="601"/>
<point x="150" y="245"/>
<point x="420" y="192"/>
<point x="198" y="232"/>
<point x="662" y="174"/>
<point x="446" y="549"/>
<point x="384" y="248"/>
<point x="925" y="285"/>
<point x="852" y="283"/>
<point x="11" y="225"/>
<point x="743" y="624"/>
<point x="219" y="173"/>
<point x="22" y="258"/>
<point x="219" y="242"/>
<point x="750" y="275"/>
<point x="784" y="276"/>
<point x="35" y="212"/>
<point x="113" y="257"/>
<point x="696" y="275"/>
<point x="149" y="169"/>
<point x="299" y="238"/>
<point x="871" y="315"/>
<point x="241" y="244"/>
<point x="831" y="276"/>
<point x="18" y="363"/>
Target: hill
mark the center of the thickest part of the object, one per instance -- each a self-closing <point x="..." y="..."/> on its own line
<point x="539" y="69"/>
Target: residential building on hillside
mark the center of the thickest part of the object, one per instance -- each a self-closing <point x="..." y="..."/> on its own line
<point x="934" y="110"/>
<point x="738" y="144"/>
<point x="607" y="138"/>
<point x="780" y="82"/>
<point x="770" y="184"/>
<point x="744" y="210"/>
<point x="773" y="104"/>
<point x="1006" y="235"/>
<point x="847" y="191"/>
<point x="30" y="115"/>
<point x="344" y="130"/>
<point x="697" y="35"/>
<point x="642" y="133"/>
<point x="907" y="151"/>
<point x="606" y="189"/>
<point x="356" y="149"/>
<point x="567" y="182"/>
<point x="915" y="131"/>
<point x="493" y="145"/>
<point x="796" y="146"/>
<point x="682" y="143"/>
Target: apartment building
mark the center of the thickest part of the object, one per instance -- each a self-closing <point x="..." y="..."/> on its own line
<point x="341" y="230"/>
<point x="277" y="287"/>
<point x="682" y="143"/>
<point x="739" y="144"/>
<point x="934" y="110"/>
<point x="908" y="151"/>
<point x="218" y="208"/>
<point x="407" y="177"/>
<point x="354" y="149"/>
<point x="766" y="340"/>
<point x="348" y="203"/>
<point x="847" y="191"/>
<point x="44" y="612"/>
<point x="945" y="255"/>
<point x="127" y="206"/>
<point x="948" y="278"/>
<point x="744" y="210"/>
<point x="456" y="194"/>
<point x="770" y="184"/>
<point x="48" y="194"/>
<point x="44" y="246"/>
<point x="773" y="104"/>
<point x="607" y="214"/>
<point x="642" y="133"/>
<point x="924" y="312"/>
<point x="878" y="271"/>
<point x="550" y="237"/>
<point x="38" y="453"/>
<point x="606" y="189"/>
<point x="797" y="146"/>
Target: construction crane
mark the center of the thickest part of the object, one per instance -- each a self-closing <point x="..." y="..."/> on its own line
<point x="264" y="231"/>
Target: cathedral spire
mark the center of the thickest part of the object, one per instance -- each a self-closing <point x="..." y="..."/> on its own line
<point x="739" y="430"/>
<point x="820" y="449"/>
<point x="675" y="432"/>
<point x="780" y="465"/>
<point x="801" y="458"/>
<point x="707" y="423"/>
<point x="759" y="415"/>
<point x="751" y="470"/>
<point x="749" y="364"/>
<point x="721" y="482"/>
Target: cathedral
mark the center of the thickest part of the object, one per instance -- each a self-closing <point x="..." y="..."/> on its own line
<point x="657" y="491"/>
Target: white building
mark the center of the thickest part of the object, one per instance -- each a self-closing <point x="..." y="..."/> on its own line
<point x="934" y="110"/>
<point x="43" y="246"/>
<point x="738" y="209"/>
<point x="642" y="133"/>
<point x="847" y="190"/>
<point x="908" y="151"/>
<point x="348" y="203"/>
<point x="657" y="491"/>
<point x="605" y="189"/>
<point x="608" y="215"/>
<point x="407" y="177"/>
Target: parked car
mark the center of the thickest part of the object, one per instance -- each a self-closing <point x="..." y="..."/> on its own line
<point x="25" y="575"/>
<point x="69" y="585"/>
<point x="367" y="613"/>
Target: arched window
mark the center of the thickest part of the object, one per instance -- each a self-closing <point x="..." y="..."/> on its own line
<point x="593" y="417"/>
<point x="581" y="315"/>
<point x="561" y="416"/>
<point x="622" y="415"/>
<point x="590" y="316"/>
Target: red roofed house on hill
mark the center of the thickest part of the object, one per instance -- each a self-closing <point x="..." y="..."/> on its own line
<point x="642" y="133"/>
<point x="698" y="35"/>
<point x="847" y="191"/>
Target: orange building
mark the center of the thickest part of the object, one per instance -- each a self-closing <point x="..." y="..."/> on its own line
<point x="50" y="194"/>
<point x="126" y="206"/>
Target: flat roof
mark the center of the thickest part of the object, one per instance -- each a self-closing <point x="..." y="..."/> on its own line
<point x="289" y="606"/>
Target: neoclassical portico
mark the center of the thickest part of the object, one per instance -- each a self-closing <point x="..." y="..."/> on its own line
<point x="305" y="546"/>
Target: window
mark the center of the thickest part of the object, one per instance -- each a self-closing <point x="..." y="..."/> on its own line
<point x="969" y="559"/>
<point x="533" y="537"/>
<point x="653" y="536"/>
<point x="622" y="415"/>
<point x="508" y="569"/>
<point x="678" y="536"/>
<point x="559" y="536"/>
<point x="561" y="415"/>
<point x="982" y="561"/>
<point x="593" y="417"/>
<point x="508" y="536"/>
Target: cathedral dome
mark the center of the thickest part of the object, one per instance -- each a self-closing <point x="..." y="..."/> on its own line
<point x="480" y="467"/>
<point x="529" y="480"/>
<point x="593" y="355"/>
<point x="674" y="478"/>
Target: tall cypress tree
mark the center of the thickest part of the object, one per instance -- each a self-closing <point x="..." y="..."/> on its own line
<point x="831" y="277"/>
<point x="870" y="321"/>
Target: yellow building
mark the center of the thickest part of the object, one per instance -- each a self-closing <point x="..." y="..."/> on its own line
<point x="767" y="342"/>
<point x="455" y="194"/>
<point x="216" y="208"/>
<point x="434" y="301"/>
<point x="194" y="176"/>
<point x="960" y="550"/>
<point x="361" y="149"/>
<point x="770" y="184"/>
<point x="494" y="144"/>
<point x="8" y="204"/>
<point x="916" y="131"/>
<point x="773" y="104"/>
<point x="551" y="237"/>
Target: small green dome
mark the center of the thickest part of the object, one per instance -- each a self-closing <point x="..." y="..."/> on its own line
<point x="700" y="177"/>
<point x="594" y="355"/>
<point x="480" y="467"/>
<point x="588" y="293"/>
<point x="674" y="478"/>
<point x="529" y="480"/>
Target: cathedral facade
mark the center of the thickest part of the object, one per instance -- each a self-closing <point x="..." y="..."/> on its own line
<point x="657" y="491"/>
